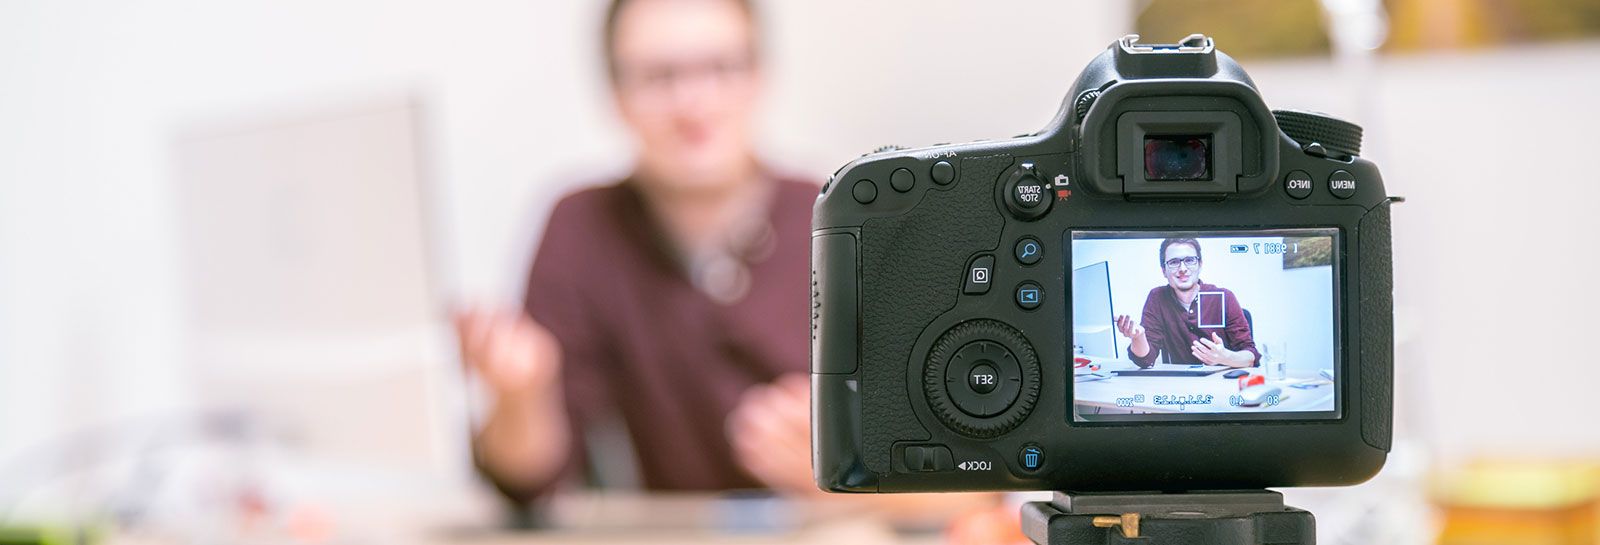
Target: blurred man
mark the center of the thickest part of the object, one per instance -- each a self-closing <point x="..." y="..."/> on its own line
<point x="1174" y="325"/>
<point x="676" y="298"/>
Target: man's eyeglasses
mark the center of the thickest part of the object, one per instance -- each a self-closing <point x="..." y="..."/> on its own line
<point x="659" y="77"/>
<point x="1190" y="262"/>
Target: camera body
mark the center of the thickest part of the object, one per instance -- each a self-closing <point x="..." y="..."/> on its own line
<point x="1068" y="310"/>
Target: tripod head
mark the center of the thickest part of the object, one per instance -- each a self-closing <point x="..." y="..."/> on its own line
<point x="1248" y="517"/>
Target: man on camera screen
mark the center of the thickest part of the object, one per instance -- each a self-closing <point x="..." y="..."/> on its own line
<point x="1187" y="320"/>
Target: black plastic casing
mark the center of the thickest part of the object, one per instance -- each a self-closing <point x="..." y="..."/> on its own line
<point x="888" y="282"/>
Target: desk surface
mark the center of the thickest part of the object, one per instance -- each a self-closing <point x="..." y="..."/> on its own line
<point x="1202" y="394"/>
<point x="623" y="518"/>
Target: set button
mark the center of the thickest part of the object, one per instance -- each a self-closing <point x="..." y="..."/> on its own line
<point x="982" y="378"/>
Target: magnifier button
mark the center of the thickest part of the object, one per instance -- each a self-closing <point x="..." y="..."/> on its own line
<point x="1029" y="251"/>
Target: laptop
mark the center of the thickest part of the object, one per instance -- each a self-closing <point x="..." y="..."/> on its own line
<point x="1173" y="370"/>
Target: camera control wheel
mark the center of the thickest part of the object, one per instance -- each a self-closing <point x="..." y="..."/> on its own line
<point x="982" y="378"/>
<point x="1334" y="136"/>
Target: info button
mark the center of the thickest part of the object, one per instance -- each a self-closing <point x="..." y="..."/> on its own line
<point x="1297" y="184"/>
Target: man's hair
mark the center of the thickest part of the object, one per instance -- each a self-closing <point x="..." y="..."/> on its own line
<point x="1162" y="259"/>
<point x="608" y="33"/>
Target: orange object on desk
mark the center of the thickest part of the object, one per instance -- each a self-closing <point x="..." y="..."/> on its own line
<point x="1251" y="380"/>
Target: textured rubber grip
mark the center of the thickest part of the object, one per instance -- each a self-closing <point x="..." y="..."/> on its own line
<point x="912" y="266"/>
<point x="1377" y="328"/>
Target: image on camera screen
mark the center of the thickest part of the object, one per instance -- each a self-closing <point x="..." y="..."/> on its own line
<point x="1218" y="325"/>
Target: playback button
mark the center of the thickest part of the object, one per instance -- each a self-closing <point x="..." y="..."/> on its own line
<point x="1029" y="295"/>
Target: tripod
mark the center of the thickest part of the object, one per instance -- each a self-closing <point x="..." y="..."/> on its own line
<point x="1249" y="517"/>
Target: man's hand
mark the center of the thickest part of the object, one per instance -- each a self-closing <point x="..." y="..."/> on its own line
<point x="1135" y="333"/>
<point x="770" y="431"/>
<point x="514" y="355"/>
<point x="1212" y="352"/>
<point x="524" y="439"/>
<point x="1129" y="328"/>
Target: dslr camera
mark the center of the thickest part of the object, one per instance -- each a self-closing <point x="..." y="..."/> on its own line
<point x="1170" y="287"/>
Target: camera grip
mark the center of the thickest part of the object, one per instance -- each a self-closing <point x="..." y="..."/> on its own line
<point x="1377" y="328"/>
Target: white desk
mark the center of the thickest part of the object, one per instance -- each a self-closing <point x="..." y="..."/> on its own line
<point x="1136" y="394"/>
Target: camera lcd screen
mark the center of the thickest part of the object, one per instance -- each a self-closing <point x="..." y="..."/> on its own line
<point x="1215" y="325"/>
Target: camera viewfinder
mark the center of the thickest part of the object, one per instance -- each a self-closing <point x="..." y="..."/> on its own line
<point x="1179" y="158"/>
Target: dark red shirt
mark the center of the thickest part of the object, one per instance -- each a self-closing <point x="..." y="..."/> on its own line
<point x="1171" y="328"/>
<point x="639" y="341"/>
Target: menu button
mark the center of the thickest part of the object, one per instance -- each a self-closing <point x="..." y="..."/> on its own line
<point x="1342" y="184"/>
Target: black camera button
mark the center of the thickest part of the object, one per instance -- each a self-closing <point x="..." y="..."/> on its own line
<point x="943" y="173"/>
<point x="902" y="179"/>
<point x="1026" y="194"/>
<point x="1029" y="295"/>
<point x="1030" y="458"/>
<point x="1342" y="184"/>
<point x="983" y="378"/>
<point x="1298" y="184"/>
<point x="980" y="275"/>
<point x="865" y="191"/>
<point x="1029" y="251"/>
<point x="925" y="458"/>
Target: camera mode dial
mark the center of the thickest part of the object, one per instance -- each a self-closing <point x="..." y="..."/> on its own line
<point x="982" y="378"/>
<point x="1336" y="137"/>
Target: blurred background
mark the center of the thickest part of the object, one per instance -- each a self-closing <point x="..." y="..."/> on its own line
<point x="231" y="234"/>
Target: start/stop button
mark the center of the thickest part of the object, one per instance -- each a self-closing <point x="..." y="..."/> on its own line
<point x="1026" y="195"/>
